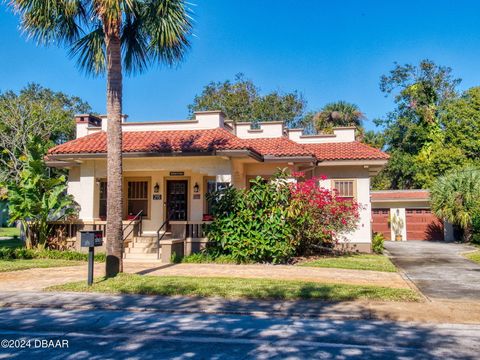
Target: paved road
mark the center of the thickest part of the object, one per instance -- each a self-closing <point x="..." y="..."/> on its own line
<point x="103" y="334"/>
<point x="438" y="269"/>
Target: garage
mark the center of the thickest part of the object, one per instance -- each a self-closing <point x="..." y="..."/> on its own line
<point x="423" y="225"/>
<point x="381" y="222"/>
<point x="405" y="215"/>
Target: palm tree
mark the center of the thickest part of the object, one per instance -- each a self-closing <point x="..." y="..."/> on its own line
<point x="340" y="113"/>
<point x="456" y="198"/>
<point x="107" y="36"/>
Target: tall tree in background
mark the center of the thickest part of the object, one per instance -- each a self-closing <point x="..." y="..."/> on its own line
<point x="108" y="36"/>
<point x="420" y="91"/>
<point x="340" y="113"/>
<point x="241" y="101"/>
<point x="33" y="113"/>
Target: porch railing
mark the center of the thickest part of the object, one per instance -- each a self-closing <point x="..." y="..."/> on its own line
<point x="139" y="218"/>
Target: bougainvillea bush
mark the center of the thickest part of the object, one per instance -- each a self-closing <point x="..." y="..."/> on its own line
<point x="326" y="216"/>
<point x="276" y="220"/>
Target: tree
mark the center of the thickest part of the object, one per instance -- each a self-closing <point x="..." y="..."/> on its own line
<point x="34" y="112"/>
<point x="414" y="125"/>
<point x="456" y="198"/>
<point x="108" y="37"/>
<point x="241" y="101"/>
<point x="36" y="197"/>
<point x="340" y="113"/>
<point x="375" y="139"/>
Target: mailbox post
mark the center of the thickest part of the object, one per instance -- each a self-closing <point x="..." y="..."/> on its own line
<point x="90" y="239"/>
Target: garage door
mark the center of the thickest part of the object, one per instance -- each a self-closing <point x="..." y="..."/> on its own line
<point x="423" y="225"/>
<point x="380" y="222"/>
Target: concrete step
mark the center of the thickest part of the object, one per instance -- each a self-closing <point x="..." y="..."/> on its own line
<point x="136" y="250"/>
<point x="141" y="256"/>
<point x="143" y="245"/>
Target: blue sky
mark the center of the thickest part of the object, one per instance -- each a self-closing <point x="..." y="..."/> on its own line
<point x="328" y="50"/>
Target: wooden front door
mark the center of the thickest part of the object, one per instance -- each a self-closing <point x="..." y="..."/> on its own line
<point x="381" y="223"/>
<point x="177" y="195"/>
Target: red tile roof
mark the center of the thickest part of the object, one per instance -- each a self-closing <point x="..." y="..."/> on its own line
<point x="400" y="195"/>
<point x="216" y="139"/>
<point x="278" y="147"/>
<point x="346" y="151"/>
<point x="156" y="141"/>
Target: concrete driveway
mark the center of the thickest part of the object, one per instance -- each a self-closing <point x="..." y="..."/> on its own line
<point x="438" y="269"/>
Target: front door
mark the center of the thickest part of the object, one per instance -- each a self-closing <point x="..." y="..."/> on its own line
<point x="177" y="199"/>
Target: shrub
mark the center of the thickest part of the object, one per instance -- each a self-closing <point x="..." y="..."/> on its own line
<point x="23" y="253"/>
<point x="378" y="243"/>
<point x="254" y="225"/>
<point x="205" y="258"/>
<point x="323" y="215"/>
<point x="276" y="220"/>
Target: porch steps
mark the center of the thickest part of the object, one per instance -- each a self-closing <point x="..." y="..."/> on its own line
<point x="143" y="247"/>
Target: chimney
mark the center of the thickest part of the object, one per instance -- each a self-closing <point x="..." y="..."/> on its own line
<point x="210" y="119"/>
<point x="104" y="120"/>
<point x="85" y="122"/>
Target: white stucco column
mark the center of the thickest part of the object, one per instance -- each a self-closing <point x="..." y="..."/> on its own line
<point x="85" y="192"/>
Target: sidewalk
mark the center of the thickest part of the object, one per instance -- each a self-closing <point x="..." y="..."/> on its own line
<point x="426" y="312"/>
<point x="38" y="279"/>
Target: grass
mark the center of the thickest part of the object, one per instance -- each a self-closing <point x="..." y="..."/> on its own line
<point x="353" y="261"/>
<point x="9" y="232"/>
<point x="237" y="288"/>
<point x="21" y="264"/>
<point x="473" y="256"/>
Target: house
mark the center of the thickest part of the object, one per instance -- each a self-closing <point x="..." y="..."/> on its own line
<point x="411" y="210"/>
<point x="169" y="166"/>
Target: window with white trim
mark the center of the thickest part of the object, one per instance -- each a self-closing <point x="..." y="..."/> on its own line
<point x="345" y="188"/>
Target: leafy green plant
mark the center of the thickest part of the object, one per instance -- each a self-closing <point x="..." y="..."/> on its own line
<point x="27" y="254"/>
<point x="205" y="258"/>
<point x="254" y="225"/>
<point x="378" y="243"/>
<point x="37" y="198"/>
<point x="456" y="198"/>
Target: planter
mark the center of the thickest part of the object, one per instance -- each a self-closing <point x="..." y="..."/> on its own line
<point x="398" y="237"/>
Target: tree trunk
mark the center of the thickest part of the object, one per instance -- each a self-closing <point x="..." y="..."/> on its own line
<point x="114" y="244"/>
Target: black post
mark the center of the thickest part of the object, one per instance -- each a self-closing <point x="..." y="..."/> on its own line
<point x="91" y="251"/>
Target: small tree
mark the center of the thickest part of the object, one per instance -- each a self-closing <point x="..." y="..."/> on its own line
<point x="456" y="198"/>
<point x="36" y="198"/>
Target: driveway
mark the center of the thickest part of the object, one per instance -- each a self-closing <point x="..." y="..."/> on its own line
<point x="438" y="269"/>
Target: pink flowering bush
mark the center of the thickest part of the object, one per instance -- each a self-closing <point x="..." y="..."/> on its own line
<point x="324" y="215"/>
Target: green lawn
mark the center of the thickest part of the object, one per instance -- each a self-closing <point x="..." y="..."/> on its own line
<point x="237" y="288"/>
<point x="353" y="261"/>
<point x="9" y="231"/>
<point x="21" y="264"/>
<point x="473" y="256"/>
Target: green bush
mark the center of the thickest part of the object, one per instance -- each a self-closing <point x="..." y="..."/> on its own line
<point x="205" y="258"/>
<point x="253" y="225"/>
<point x="23" y="253"/>
<point x="476" y="230"/>
<point x="378" y="243"/>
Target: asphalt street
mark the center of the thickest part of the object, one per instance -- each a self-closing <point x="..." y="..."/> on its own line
<point x="107" y="334"/>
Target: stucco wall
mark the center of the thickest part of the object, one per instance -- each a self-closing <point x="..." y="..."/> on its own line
<point x="83" y="183"/>
<point x="363" y="232"/>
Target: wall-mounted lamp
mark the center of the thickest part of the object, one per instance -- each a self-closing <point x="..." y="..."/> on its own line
<point x="196" y="188"/>
<point x="156" y="188"/>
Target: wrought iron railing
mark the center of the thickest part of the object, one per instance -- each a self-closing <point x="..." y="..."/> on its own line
<point x="138" y="218"/>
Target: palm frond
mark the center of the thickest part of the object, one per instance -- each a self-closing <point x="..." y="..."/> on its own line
<point x="134" y="45"/>
<point x="167" y="25"/>
<point x="90" y="51"/>
<point x="49" y="21"/>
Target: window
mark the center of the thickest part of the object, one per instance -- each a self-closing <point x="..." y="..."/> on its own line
<point x="211" y="185"/>
<point x="137" y="197"/>
<point x="345" y="188"/>
<point x="102" y="210"/>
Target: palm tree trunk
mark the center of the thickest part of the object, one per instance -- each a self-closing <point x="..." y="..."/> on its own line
<point x="114" y="244"/>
